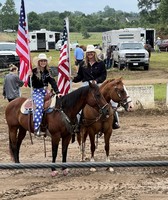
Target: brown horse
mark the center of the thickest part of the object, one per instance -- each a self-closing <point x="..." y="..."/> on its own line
<point x="93" y="122"/>
<point x="58" y="121"/>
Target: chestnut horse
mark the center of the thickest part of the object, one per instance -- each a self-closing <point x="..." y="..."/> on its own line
<point x="58" y="121"/>
<point x="93" y="122"/>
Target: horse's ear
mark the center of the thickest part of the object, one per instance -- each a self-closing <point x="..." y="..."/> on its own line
<point x="118" y="80"/>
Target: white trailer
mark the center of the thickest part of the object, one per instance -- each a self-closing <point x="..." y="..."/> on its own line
<point x="43" y="40"/>
<point x="113" y="37"/>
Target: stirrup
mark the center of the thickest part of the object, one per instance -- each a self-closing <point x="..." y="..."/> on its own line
<point x="116" y="125"/>
<point x="38" y="133"/>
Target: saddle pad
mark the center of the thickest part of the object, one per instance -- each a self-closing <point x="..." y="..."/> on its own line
<point x="28" y="106"/>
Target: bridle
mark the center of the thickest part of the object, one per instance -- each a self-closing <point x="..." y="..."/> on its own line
<point x="124" y="101"/>
<point x="103" y="110"/>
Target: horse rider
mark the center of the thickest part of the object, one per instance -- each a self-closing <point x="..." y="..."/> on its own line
<point x="40" y="78"/>
<point x="93" y="69"/>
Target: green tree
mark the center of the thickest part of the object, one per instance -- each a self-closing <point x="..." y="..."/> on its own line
<point x="33" y="21"/>
<point x="147" y="4"/>
<point x="163" y="11"/>
<point x="9" y="16"/>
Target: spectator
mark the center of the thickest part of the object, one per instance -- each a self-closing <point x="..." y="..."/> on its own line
<point x="109" y="57"/>
<point x="12" y="84"/>
<point x="148" y="47"/>
<point x="157" y="44"/>
<point x="79" y="55"/>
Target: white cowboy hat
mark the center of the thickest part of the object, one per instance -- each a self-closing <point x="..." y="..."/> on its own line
<point x="90" y="48"/>
<point x="41" y="56"/>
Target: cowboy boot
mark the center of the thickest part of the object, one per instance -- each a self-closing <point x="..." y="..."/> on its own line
<point x="116" y="120"/>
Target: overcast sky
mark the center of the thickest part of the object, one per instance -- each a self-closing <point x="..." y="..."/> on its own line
<point x="85" y="6"/>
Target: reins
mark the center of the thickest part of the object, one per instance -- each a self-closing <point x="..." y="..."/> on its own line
<point x="88" y="122"/>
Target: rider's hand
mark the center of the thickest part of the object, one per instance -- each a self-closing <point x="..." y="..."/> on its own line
<point x="59" y="95"/>
<point x="30" y="73"/>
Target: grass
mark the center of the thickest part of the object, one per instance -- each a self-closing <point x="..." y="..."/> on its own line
<point x="95" y="38"/>
<point x="160" y="92"/>
<point x="159" y="60"/>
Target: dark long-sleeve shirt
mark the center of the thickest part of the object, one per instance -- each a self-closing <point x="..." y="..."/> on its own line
<point x="45" y="79"/>
<point x="95" y="72"/>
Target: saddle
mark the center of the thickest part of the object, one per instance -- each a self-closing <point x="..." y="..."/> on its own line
<point x="49" y="103"/>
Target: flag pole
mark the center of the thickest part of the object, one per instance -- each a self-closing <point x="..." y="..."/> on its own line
<point x="30" y="67"/>
<point x="69" y="54"/>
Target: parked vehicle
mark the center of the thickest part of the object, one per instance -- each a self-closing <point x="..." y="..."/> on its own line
<point x="9" y="30"/>
<point x="113" y="37"/>
<point x="8" y="55"/>
<point x="43" y="40"/>
<point x="131" y="55"/>
<point x="59" y="44"/>
<point x="164" y="45"/>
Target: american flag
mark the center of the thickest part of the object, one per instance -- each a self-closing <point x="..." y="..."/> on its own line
<point x="22" y="47"/>
<point x="64" y="64"/>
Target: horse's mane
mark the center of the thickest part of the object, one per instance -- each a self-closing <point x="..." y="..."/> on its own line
<point x="71" y="99"/>
<point x="112" y="81"/>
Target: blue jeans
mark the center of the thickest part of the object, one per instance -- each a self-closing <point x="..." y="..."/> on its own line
<point x="38" y="99"/>
<point x="108" y="63"/>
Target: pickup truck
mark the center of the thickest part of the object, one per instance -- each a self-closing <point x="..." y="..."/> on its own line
<point x="131" y="55"/>
<point x="8" y="55"/>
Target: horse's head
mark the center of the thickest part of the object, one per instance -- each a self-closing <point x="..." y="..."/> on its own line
<point x="96" y="100"/>
<point x="118" y="93"/>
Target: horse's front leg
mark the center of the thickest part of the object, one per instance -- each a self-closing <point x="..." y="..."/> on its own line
<point x="55" y="144"/>
<point x="92" y="148"/>
<point x="107" y="136"/>
<point x="84" y="134"/>
<point x="65" y="144"/>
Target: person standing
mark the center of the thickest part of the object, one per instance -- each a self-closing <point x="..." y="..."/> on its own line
<point x="109" y="57"/>
<point x="40" y="78"/>
<point x="79" y="55"/>
<point x="148" y="47"/>
<point x="12" y="84"/>
<point x="157" y="44"/>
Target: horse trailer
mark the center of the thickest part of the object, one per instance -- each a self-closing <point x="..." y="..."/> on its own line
<point x="114" y="37"/>
<point x="43" y="40"/>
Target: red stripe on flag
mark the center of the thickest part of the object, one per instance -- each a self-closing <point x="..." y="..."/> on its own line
<point x="22" y="47"/>
<point x="63" y="66"/>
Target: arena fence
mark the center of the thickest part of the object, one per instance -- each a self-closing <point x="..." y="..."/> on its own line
<point x="84" y="164"/>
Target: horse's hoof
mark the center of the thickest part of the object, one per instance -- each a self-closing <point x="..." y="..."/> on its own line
<point x="65" y="172"/>
<point x="110" y="169"/>
<point x="92" y="169"/>
<point x="54" y="173"/>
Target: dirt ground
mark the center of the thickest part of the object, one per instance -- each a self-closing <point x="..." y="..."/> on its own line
<point x="143" y="136"/>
